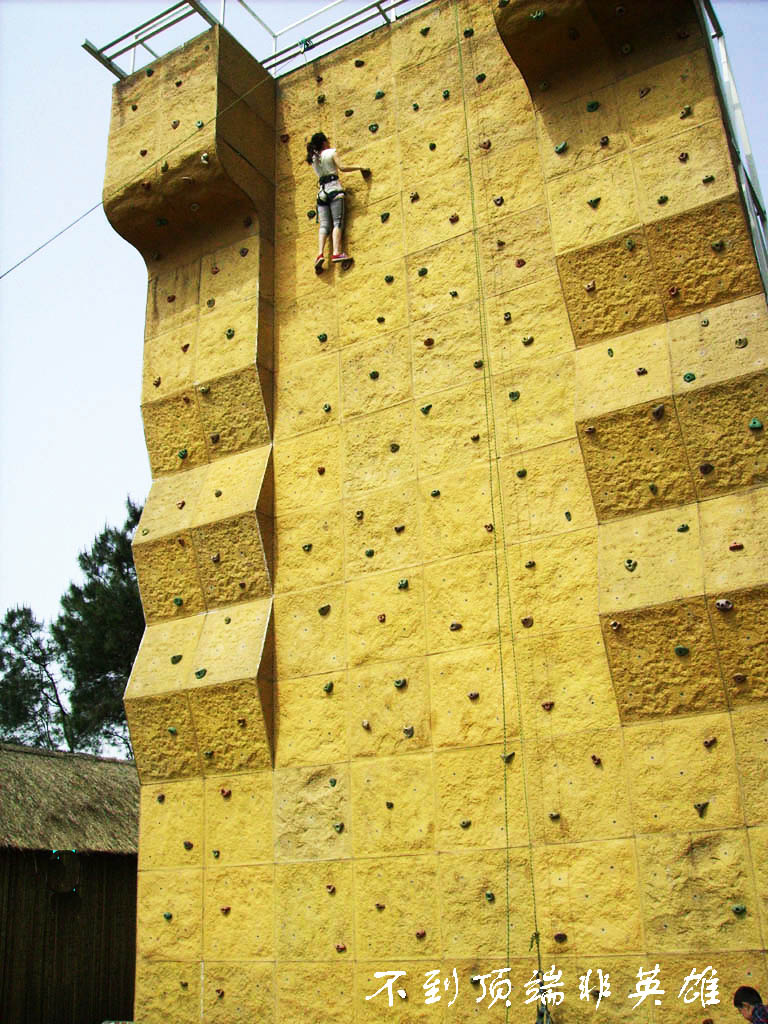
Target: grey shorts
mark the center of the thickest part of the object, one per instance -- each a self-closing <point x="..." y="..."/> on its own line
<point x="331" y="212"/>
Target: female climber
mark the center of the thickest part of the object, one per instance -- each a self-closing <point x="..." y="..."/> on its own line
<point x="330" y="197"/>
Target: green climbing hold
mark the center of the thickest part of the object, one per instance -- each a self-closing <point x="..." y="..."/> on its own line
<point x="172" y="730"/>
<point x="755" y="424"/>
<point x="594" y="203"/>
<point x="568" y="516"/>
<point x="167" y="916"/>
<point x="178" y="601"/>
<point x="689" y="377"/>
<point x="369" y="553"/>
<point x="415" y="106"/>
<point x="468" y="33"/>
<point x="508" y="757"/>
<point x="522" y="473"/>
<point x="739" y="909"/>
<point x="322" y="337"/>
<point x="311" y="214"/>
<point x="389" y="278"/>
<point x="374" y="374"/>
<point x="339" y="826"/>
<point x="630" y="244"/>
<point x="408" y="731"/>
<point x="423" y="271"/>
<point x="400" y="683"/>
<point x="610" y="353"/>
<point x="208" y="753"/>
<point x="379" y="94"/>
<point x="630" y="564"/>
<point x="175" y="659"/>
<point x="681" y="651"/>
<point x="162" y="222"/>
<point x="331" y="783"/>
<point x="446" y="93"/>
<point x="527" y="339"/>
<point x="306" y="547"/>
<point x="480" y="78"/>
<point x="402" y="584"/>
<point x="490" y="898"/>
<point x="326" y="407"/>
<point x="183" y="453"/>
<point x="435" y="493"/>
<point x="323" y="609"/>
<point x="384" y="217"/>
<point x="348" y="112"/>
<point x="653" y="488"/>
<point x="424" y="31"/>
<point x="227" y="620"/>
<point x="718" y="246"/>
<point x="683" y="528"/>
<point x="425" y="409"/>
<point x="741" y="343"/>
<point x="561" y="147"/>
<point x="328" y="687"/>
<point x="321" y="99"/>
<point x="433" y="146"/>
<point x="593" y="105"/>
<point x="373" y="128"/>
<point x="514" y="395"/>
<point x="201" y="673"/>
<point x="198" y="124"/>
<point x="215" y="854"/>
<point x="230" y="332"/>
<point x="465" y="823"/>
<point x="454" y="294"/>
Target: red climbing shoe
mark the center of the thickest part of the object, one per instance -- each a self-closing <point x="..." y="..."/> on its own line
<point x="319" y="264"/>
<point x="340" y="257"/>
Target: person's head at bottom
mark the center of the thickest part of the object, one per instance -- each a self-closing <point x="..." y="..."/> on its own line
<point x="745" y="1000"/>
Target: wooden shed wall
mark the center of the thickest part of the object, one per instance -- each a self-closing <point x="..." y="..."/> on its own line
<point x="66" y="958"/>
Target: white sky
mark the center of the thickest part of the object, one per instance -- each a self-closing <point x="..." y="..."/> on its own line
<point x="72" y="317"/>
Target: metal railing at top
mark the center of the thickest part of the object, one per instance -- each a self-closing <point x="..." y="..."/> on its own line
<point x="324" y="38"/>
<point x="738" y="138"/>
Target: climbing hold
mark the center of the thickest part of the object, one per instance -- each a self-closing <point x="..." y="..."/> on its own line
<point x="475" y="438"/>
<point x="686" y="111"/>
<point x="321" y="99"/>
<point x="527" y="339"/>
<point x="429" y="342"/>
<point x="414" y="197"/>
<point x="604" y="140"/>
<point x="435" y="494"/>
<point x="176" y="658"/>
<point x="323" y="609"/>
<point x="455" y="627"/>
<point x="424" y="31"/>
<point x="689" y="378"/>
<point x="658" y="411"/>
<point x="468" y="33"/>
<point x="394" y="447"/>
<point x="382" y="617"/>
<point x="701" y="807"/>
<point x="217" y="494"/>
<point x="507" y="318"/>
<point x="373" y="128"/>
<point x="739" y="678"/>
<point x="480" y="78"/>
<point x="326" y="407"/>
<point x="142" y="152"/>
<point x="227" y="621"/>
<point x="402" y="584"/>
<point x="379" y="319"/>
<point x="433" y="146"/>
<point x="161" y="798"/>
<point x="321" y="470"/>
<point x="421" y="934"/>
<point x="718" y="246"/>
<point x="592" y="106"/>
<point x="172" y="730"/>
<point x="374" y="374"/>
<point x="446" y="93"/>
<point x="589" y="429"/>
<point x="653" y="488"/>
<point x="204" y="159"/>
<point x="736" y="546"/>
<point x="369" y="552"/>
<point x="215" y="438"/>
<point x="171" y="298"/>
<point x="207" y="753"/>
<point x="527" y="622"/>
<point x="415" y="106"/>
<point x="454" y="294"/>
<point x="755" y="424"/>
<point x="425" y="409"/>
<point x="490" y="897"/>
<point x="157" y="382"/>
<point x="201" y="673"/>
<point x="230" y="332"/>
<point x="710" y="742"/>
<point x="644" y="91"/>
<point x="681" y="650"/>
<point x="359" y="63"/>
<point x="454" y="218"/>
<point x="610" y="352"/>
<point x="384" y="217"/>
<point x="520" y="262"/>
<point x="485" y="144"/>
<point x="473" y="695"/>
<point x="739" y="909"/>
<point x="328" y="687"/>
<point x="399" y="528"/>
<point x="380" y="906"/>
<point x="379" y="94"/>
<point x="522" y="473"/>
<point x="478" y="364"/>
<point x="423" y="271"/>
<point x="741" y="343"/>
<point x="332" y="782"/>
<point x="590" y="286"/>
<point x="683" y="528"/>
<point x="706" y="468"/>
<point x="199" y="124"/>
<point x="514" y="395"/>
<point x="339" y="826"/>
<point x="630" y="244"/>
<point x="723" y="604"/>
<point x="673" y="290"/>
<point x="408" y="731"/>
<point x="508" y="757"/>
<point x="178" y="601"/>
<point x="489" y="527"/>
<point x="498" y="201"/>
<point x="707" y="179"/>
<point x="594" y="203"/>
<point x="465" y="823"/>
<point x="662" y="200"/>
<point x="167" y="916"/>
<point x="311" y="214"/>
<point x="340" y="947"/>
<point x="366" y="724"/>
<point x="359" y="514"/>
<point x="389" y="278"/>
<point x="530" y="564"/>
<point x="630" y="564"/>
<point x="400" y="684"/>
<point x="554" y="815"/>
<point x="226" y="793"/>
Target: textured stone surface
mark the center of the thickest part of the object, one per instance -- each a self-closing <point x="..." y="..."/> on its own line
<point x="296" y="568"/>
<point x="630" y="451"/>
<point x="310" y="724"/>
<point x="606" y="374"/>
<point x="649" y="677"/>
<point x="312" y="919"/>
<point x="406" y="827"/>
<point x="308" y="993"/>
<point x="408" y="888"/>
<point x="177" y="892"/>
<point x="245" y="931"/>
<point x="306" y="809"/>
<point x="552" y="497"/>
<point x="535" y="310"/>
<point x="238" y="818"/>
<point x="383" y="621"/>
<point x="389" y="709"/>
<point x="741" y="635"/>
<point x="462" y="592"/>
<point x="734" y="519"/>
<point x="167" y="990"/>
<point x="238" y="993"/>
<point x="749" y="731"/>
<point x="170" y="822"/>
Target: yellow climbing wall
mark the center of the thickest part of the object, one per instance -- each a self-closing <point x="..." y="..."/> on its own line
<point x="454" y="562"/>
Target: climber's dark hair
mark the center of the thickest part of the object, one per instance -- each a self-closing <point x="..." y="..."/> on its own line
<point x="316" y="145"/>
<point x="746" y="996"/>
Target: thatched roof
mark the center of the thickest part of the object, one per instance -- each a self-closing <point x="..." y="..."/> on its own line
<point x="50" y="800"/>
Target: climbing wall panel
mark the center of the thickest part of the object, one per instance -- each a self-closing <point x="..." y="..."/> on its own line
<point x="470" y="670"/>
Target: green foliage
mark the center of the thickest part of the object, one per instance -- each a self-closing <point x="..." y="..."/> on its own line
<point x="66" y="684"/>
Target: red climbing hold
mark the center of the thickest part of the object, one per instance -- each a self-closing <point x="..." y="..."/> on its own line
<point x="320" y="470"/>
<point x="382" y="617"/>
<point x="548" y="705"/>
<point x="527" y="621"/>
<point x="520" y="262"/>
<point x="736" y="546"/>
